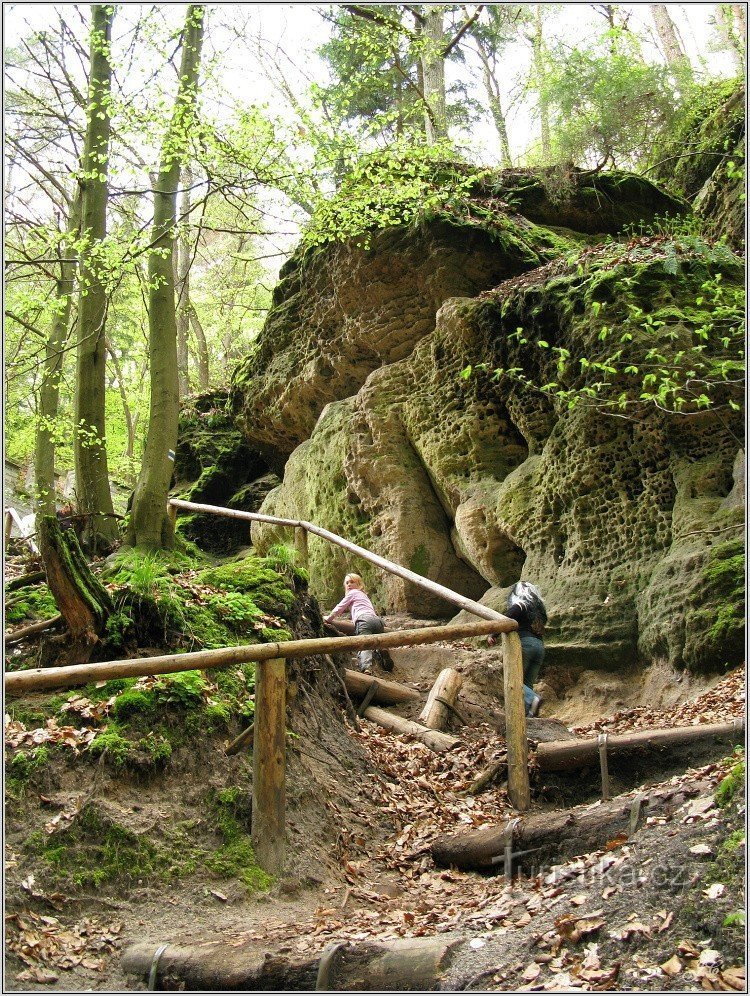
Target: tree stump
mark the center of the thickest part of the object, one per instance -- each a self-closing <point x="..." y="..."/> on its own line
<point x="82" y="599"/>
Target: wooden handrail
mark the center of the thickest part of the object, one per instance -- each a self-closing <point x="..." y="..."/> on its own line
<point x="518" y="770"/>
<point x="483" y="611"/>
<point x="19" y="682"/>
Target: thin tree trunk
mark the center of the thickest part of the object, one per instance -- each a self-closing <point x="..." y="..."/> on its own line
<point x="201" y="346"/>
<point x="732" y="24"/>
<point x="674" y="51"/>
<point x="126" y="409"/>
<point x="433" y="75"/>
<point x="182" y="276"/>
<point x="496" y="107"/>
<point x="540" y="73"/>
<point x="89" y="450"/>
<point x="49" y="391"/>
<point x="150" y="525"/>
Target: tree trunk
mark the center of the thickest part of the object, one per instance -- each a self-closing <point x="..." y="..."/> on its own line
<point x="182" y="278"/>
<point x="83" y="601"/>
<point x="544" y="838"/>
<point x="433" y="76"/>
<point x="150" y="526"/>
<point x="49" y="391"/>
<point x="732" y="24"/>
<point x="89" y="449"/>
<point x="540" y="73"/>
<point x="204" y="372"/>
<point x="126" y="409"/>
<point x="442" y="697"/>
<point x="674" y="51"/>
<point x="496" y="108"/>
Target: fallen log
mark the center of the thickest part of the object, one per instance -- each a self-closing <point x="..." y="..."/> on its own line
<point x="25" y="581"/>
<point x="433" y="739"/>
<point x="31" y="630"/>
<point x="442" y="699"/>
<point x="485" y="777"/>
<point x="386" y="692"/>
<point x="403" y="964"/>
<point x="564" y="755"/>
<point x="19" y="682"/>
<point x="543" y="838"/>
<point x="245" y="738"/>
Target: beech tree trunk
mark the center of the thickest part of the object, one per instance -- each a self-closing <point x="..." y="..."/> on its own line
<point x="432" y="61"/>
<point x="150" y="526"/>
<point x="89" y="450"/>
<point x="674" y="51"/>
<point x="182" y="277"/>
<point x="49" y="391"/>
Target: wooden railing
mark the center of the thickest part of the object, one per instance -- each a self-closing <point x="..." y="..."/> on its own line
<point x="269" y="768"/>
<point x="515" y="710"/>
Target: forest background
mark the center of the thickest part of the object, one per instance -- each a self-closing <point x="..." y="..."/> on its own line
<point x="161" y="161"/>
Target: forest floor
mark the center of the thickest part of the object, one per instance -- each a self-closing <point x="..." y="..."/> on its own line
<point x="662" y="910"/>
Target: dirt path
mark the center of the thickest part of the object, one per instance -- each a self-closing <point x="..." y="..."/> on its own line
<point x="363" y="810"/>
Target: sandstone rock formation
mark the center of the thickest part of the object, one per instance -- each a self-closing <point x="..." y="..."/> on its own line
<point x="626" y="523"/>
<point x="341" y="311"/>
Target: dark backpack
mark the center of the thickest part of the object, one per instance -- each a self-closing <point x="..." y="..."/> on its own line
<point x="525" y="596"/>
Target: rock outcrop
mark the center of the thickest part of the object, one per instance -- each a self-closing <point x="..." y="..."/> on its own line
<point x="624" y="518"/>
<point x="705" y="162"/>
<point x="480" y="435"/>
<point x="341" y="311"/>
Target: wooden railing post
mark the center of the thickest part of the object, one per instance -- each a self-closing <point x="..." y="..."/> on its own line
<point x="269" y="766"/>
<point x="519" y="792"/>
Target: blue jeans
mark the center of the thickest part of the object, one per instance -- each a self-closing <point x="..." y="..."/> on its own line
<point x="532" y="652"/>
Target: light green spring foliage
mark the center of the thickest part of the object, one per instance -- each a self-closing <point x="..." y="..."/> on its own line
<point x="401" y="186"/>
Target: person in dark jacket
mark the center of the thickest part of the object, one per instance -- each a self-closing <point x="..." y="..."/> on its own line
<point x="525" y="605"/>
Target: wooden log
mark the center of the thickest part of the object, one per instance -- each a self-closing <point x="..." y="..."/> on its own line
<point x="483" y="611"/>
<point x="25" y="581"/>
<point x="20" y="682"/>
<point x="439" y="742"/>
<point x="566" y="755"/>
<point x="31" y="630"/>
<point x="8" y="527"/>
<point x="245" y="738"/>
<point x="268" y="830"/>
<point x="443" y="695"/>
<point x="413" y="964"/>
<point x="482" y="780"/>
<point x="386" y="692"/>
<point x="519" y="791"/>
<point x="543" y="838"/>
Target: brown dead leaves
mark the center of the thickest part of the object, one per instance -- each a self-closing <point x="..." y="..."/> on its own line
<point x="16" y="735"/>
<point x="723" y="702"/>
<point x="46" y="946"/>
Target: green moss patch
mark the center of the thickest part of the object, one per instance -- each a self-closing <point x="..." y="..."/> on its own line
<point x="164" y="599"/>
<point x="30" y="603"/>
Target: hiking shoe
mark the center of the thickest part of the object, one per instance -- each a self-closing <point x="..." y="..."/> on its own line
<point x="383" y="658"/>
<point x="535" y="705"/>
